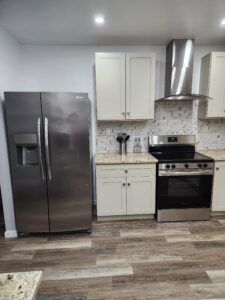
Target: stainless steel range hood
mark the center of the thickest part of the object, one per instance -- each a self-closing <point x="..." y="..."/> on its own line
<point x="179" y="69"/>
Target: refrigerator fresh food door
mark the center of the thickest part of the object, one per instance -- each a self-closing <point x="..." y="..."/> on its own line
<point x="26" y="151"/>
<point x="66" y="118"/>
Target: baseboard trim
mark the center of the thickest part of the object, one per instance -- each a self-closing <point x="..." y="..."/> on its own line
<point x="217" y="213"/>
<point x="121" y="218"/>
<point x="10" y="234"/>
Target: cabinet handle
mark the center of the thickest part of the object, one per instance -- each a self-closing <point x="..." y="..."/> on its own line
<point x="217" y="168"/>
<point x="124" y="184"/>
<point x="128" y="184"/>
<point x="126" y="171"/>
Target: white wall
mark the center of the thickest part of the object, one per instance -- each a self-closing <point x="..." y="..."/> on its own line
<point x="71" y="68"/>
<point x="9" y="62"/>
<point x="9" y="80"/>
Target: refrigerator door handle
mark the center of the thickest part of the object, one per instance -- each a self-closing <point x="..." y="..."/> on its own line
<point x="47" y="149"/>
<point x="40" y="147"/>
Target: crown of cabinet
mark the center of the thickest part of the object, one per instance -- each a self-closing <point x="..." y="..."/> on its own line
<point x="125" y="86"/>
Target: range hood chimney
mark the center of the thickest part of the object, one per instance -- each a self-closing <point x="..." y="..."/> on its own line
<point x="179" y="70"/>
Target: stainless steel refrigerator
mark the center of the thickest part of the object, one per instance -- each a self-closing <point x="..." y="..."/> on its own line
<point x="49" y="150"/>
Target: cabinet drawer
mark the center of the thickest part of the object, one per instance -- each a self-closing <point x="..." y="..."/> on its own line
<point x="110" y="172"/>
<point x="125" y="170"/>
<point x="145" y="171"/>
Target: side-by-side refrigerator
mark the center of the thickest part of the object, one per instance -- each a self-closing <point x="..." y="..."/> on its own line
<point x="49" y="150"/>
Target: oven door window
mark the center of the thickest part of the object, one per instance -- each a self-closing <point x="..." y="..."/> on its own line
<point x="184" y="191"/>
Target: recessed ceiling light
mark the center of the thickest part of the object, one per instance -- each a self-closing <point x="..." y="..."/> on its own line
<point x="99" y="20"/>
<point x="223" y="22"/>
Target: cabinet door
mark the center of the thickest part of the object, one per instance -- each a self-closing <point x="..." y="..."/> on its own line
<point x="140" y="195"/>
<point x="140" y="86"/>
<point x="111" y="196"/>
<point x="216" y="107"/>
<point x="110" y="86"/>
<point x="218" y="199"/>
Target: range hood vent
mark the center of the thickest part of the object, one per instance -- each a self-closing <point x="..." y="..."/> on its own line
<point x="179" y="70"/>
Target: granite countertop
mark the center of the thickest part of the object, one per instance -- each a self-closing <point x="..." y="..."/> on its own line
<point x="217" y="154"/>
<point x="19" y="285"/>
<point x="130" y="158"/>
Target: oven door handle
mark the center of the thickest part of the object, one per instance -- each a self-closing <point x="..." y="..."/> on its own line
<point x="186" y="173"/>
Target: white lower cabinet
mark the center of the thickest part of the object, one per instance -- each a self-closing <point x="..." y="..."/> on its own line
<point x="111" y="196"/>
<point x="125" y="190"/>
<point x="139" y="195"/>
<point x="218" y="199"/>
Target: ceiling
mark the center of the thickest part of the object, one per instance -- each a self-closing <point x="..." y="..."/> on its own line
<point x="127" y="22"/>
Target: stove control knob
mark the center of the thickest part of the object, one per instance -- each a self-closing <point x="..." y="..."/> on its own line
<point x="205" y="166"/>
<point x="167" y="166"/>
<point x="186" y="166"/>
<point x="173" y="166"/>
<point x="200" y="165"/>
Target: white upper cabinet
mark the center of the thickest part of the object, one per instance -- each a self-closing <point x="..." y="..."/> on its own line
<point x="125" y="86"/>
<point x="140" y="86"/>
<point x="110" y="86"/>
<point x="212" y="84"/>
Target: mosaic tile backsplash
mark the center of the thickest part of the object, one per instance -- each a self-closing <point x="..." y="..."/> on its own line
<point x="170" y="118"/>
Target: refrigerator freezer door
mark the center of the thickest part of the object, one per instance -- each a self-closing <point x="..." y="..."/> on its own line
<point x="66" y="121"/>
<point x="25" y="136"/>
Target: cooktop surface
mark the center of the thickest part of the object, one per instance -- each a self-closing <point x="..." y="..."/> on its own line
<point x="180" y="157"/>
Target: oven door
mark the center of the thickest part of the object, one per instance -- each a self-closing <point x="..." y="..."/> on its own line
<point x="179" y="192"/>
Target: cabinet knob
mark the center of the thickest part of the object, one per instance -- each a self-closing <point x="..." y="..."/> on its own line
<point x="128" y="113"/>
<point x="123" y="113"/>
<point x="128" y="184"/>
<point x="217" y="168"/>
<point x="126" y="171"/>
<point x="124" y="184"/>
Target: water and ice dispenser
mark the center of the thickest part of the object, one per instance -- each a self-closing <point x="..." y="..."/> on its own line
<point x="26" y="149"/>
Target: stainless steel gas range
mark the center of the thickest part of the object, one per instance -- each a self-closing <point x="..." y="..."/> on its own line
<point x="184" y="179"/>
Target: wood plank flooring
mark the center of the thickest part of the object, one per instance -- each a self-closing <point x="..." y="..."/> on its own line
<point x="135" y="260"/>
